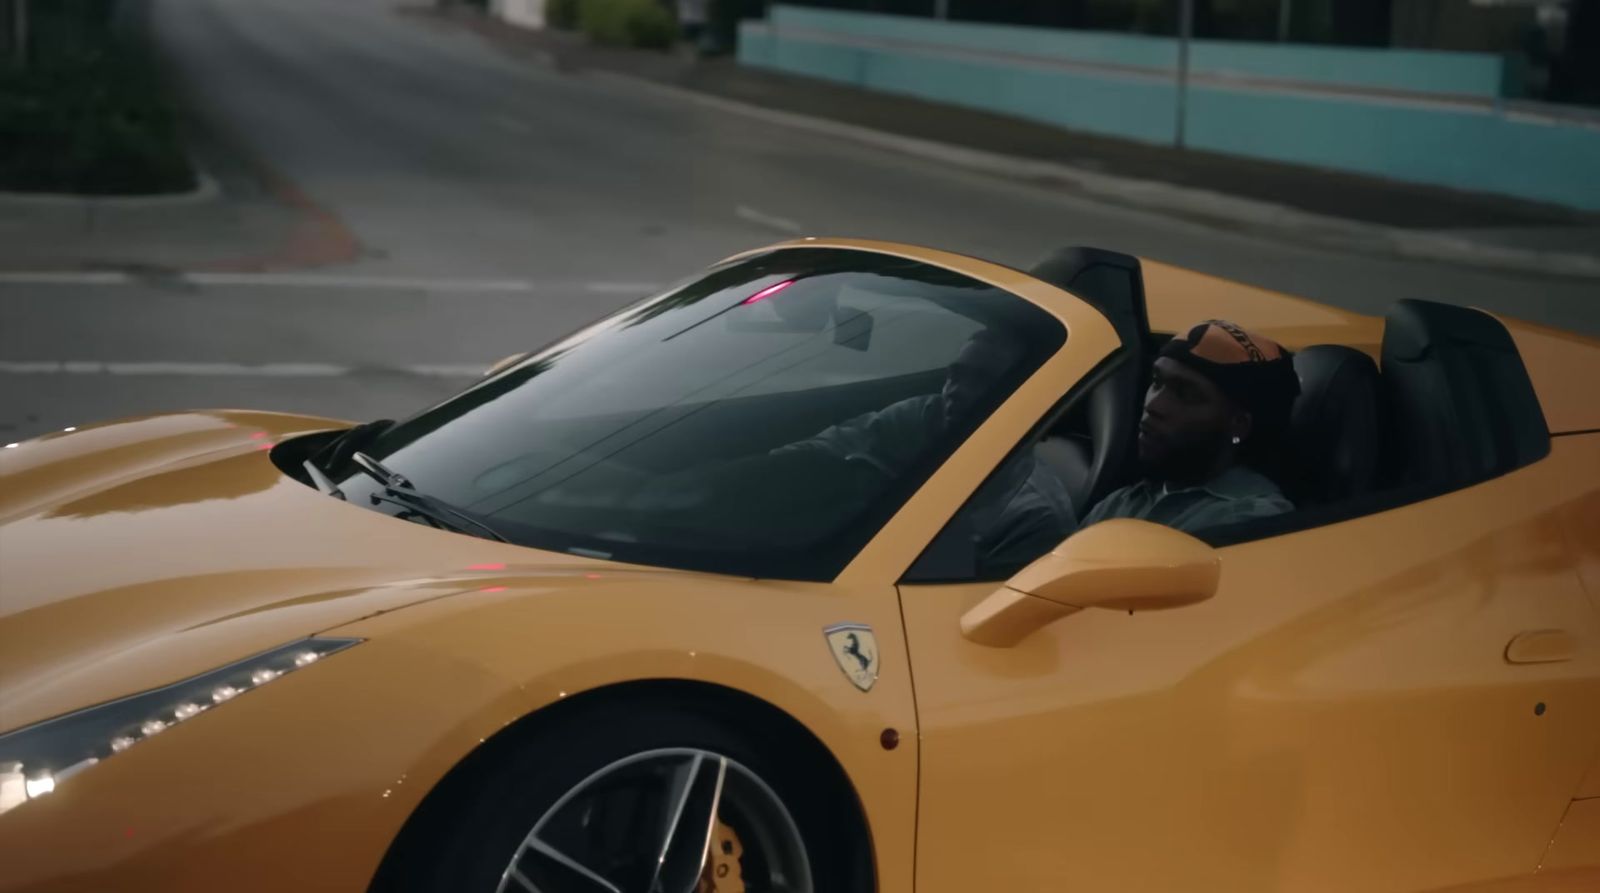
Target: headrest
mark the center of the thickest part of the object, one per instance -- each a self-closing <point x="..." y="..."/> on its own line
<point x="1335" y="428"/>
<point x="1110" y="282"/>
<point x="1464" y="406"/>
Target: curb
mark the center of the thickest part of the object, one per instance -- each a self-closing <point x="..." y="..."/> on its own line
<point x="206" y="189"/>
<point x="1152" y="195"/>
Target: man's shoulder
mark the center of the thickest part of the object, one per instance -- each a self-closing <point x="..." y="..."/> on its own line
<point x="1243" y="495"/>
<point x="1115" y="503"/>
<point x="1242" y="484"/>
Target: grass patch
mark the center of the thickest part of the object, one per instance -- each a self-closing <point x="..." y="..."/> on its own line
<point x="646" y="24"/>
<point x="89" y="114"/>
<point x="630" y="23"/>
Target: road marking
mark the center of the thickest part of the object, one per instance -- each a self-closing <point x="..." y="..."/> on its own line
<point x="772" y="221"/>
<point x="270" y="280"/>
<point x="316" y="280"/>
<point x="243" y="370"/>
<point x="513" y="124"/>
<point x="66" y="279"/>
<point x="621" y="288"/>
<point x="323" y="281"/>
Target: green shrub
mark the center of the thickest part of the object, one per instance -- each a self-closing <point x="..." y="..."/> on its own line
<point x="562" y="13"/>
<point x="633" y="23"/>
<point x="89" y="114"/>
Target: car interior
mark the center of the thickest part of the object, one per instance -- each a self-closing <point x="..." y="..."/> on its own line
<point x="1449" y="405"/>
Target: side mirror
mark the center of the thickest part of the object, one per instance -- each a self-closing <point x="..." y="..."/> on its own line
<point x="504" y="364"/>
<point x="1122" y="564"/>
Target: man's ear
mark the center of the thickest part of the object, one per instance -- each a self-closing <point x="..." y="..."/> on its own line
<point x="1241" y="425"/>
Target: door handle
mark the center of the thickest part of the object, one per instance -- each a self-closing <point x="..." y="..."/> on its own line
<point x="1542" y="646"/>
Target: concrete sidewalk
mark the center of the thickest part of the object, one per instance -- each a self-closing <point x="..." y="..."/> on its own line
<point x="243" y="217"/>
<point x="1275" y="200"/>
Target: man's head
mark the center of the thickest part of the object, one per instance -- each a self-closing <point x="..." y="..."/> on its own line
<point x="1218" y="395"/>
<point x="977" y="369"/>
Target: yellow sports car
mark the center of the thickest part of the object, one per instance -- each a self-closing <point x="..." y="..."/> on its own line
<point x="710" y="596"/>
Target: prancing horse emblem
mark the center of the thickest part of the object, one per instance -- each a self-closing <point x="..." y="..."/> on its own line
<point x="856" y="651"/>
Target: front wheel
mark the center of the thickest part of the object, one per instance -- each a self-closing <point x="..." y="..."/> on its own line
<point x="650" y="799"/>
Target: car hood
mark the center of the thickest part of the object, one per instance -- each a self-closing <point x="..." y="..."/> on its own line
<point x="138" y="553"/>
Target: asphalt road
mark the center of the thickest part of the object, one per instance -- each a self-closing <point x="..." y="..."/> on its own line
<point x="496" y="203"/>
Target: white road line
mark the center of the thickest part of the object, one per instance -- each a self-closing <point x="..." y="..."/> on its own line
<point x="220" y="370"/>
<point x="316" y="280"/>
<point x="73" y="278"/>
<point x="273" y="280"/>
<point x="772" y="221"/>
<point x="448" y="370"/>
<point x="621" y="288"/>
<point x="324" y="281"/>
<point x="513" y="124"/>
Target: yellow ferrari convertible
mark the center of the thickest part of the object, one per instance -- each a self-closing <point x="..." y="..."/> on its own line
<point x="710" y="596"/>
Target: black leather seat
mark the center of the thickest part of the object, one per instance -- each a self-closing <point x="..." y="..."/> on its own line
<point x="1336" y="435"/>
<point x="1113" y="284"/>
<point x="1464" y="407"/>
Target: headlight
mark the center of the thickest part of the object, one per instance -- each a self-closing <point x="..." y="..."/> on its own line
<point x="37" y="758"/>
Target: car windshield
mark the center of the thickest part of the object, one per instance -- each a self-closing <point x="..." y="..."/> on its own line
<point x="764" y="420"/>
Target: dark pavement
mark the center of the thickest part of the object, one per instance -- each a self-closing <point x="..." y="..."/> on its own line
<point x="455" y="199"/>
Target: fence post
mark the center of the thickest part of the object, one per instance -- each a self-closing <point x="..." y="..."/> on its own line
<point x="1185" y="32"/>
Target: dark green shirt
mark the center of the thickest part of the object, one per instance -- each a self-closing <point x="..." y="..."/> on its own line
<point x="1238" y="494"/>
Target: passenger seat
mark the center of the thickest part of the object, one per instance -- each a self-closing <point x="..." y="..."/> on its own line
<point x="1336" y="429"/>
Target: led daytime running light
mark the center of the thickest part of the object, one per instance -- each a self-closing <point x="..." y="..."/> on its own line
<point x="34" y="760"/>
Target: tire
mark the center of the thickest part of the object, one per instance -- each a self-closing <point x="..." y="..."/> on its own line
<point x="601" y="783"/>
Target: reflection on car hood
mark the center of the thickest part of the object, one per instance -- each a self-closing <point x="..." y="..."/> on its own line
<point x="138" y="553"/>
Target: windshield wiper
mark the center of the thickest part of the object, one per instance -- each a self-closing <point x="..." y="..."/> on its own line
<point x="321" y="479"/>
<point x="400" y="491"/>
<point x="335" y="454"/>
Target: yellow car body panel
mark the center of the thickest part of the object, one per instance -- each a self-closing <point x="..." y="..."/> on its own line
<point x="1244" y="743"/>
<point x="1252" y="742"/>
<point x="103" y="598"/>
<point x="1576" y="849"/>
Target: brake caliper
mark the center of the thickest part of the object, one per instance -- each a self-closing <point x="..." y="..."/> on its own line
<point x="723" y="874"/>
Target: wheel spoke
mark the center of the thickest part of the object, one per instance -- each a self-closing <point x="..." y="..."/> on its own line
<point x="540" y="848"/>
<point x="646" y="824"/>
<point x="683" y="853"/>
<point x="711" y="817"/>
<point x="683" y="788"/>
<point x="517" y="876"/>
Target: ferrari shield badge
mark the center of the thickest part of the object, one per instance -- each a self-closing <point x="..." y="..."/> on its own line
<point x="856" y="651"/>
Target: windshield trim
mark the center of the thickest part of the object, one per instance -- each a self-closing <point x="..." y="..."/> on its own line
<point x="1090" y="340"/>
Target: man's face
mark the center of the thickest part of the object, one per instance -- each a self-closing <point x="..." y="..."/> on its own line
<point x="1187" y="423"/>
<point x="977" y="369"/>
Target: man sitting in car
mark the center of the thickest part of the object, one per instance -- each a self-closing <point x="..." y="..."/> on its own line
<point x="1217" y="406"/>
<point x="1021" y="513"/>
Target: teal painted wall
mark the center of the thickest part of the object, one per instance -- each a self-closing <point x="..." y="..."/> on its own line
<point x="1474" y="150"/>
<point x="1085" y="46"/>
<point x="1138" y="108"/>
<point x="1424" y="71"/>
<point x="1302" y="105"/>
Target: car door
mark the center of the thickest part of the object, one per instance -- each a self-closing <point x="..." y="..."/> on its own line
<point x="1401" y="702"/>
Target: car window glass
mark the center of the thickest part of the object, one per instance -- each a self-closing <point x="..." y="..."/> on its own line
<point x="1020" y="512"/>
<point x="763" y="420"/>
